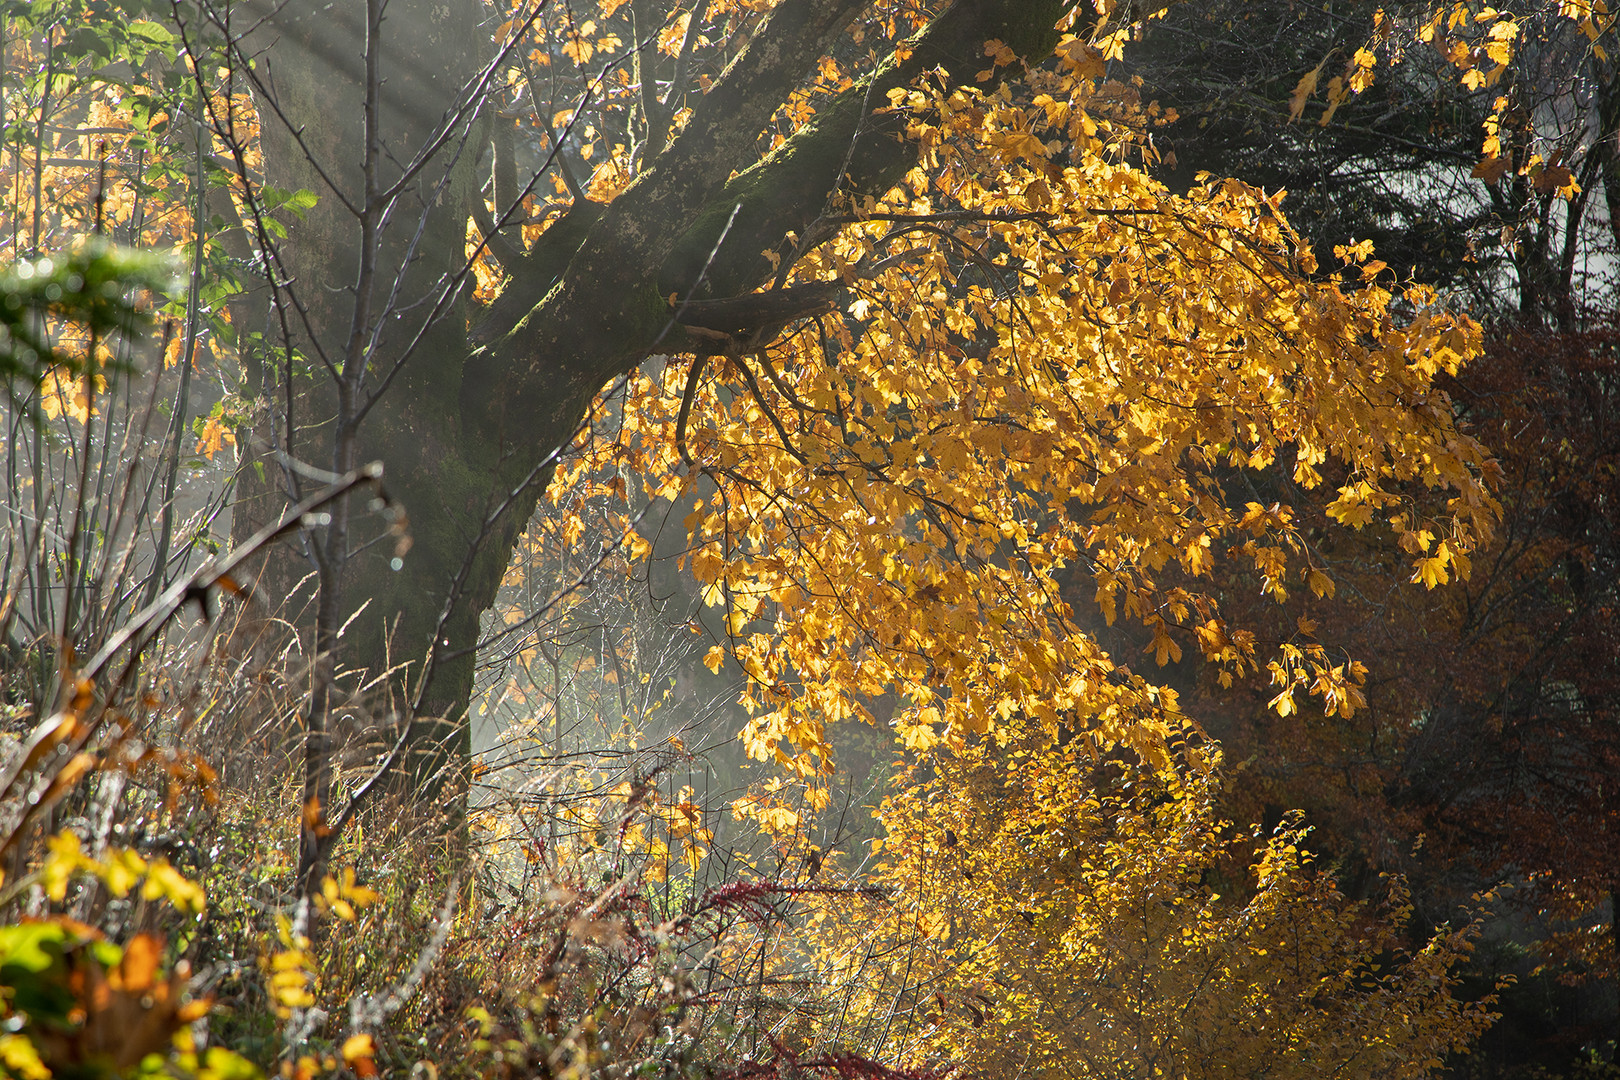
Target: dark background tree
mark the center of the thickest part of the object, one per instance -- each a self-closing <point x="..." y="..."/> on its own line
<point x="1488" y="752"/>
<point x="1401" y="163"/>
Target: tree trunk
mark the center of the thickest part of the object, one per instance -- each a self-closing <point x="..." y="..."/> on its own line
<point x="467" y="433"/>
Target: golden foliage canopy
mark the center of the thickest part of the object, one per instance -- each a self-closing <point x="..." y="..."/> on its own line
<point x="1049" y="369"/>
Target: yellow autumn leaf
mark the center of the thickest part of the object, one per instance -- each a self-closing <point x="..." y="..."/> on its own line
<point x="1303" y="91"/>
<point x="121" y="870"/>
<point x="165" y="882"/>
<point x="215" y="435"/>
<point x="66" y="858"/>
<point x="63" y="394"/>
<point x="1430" y="571"/>
<point x="20" y="1058"/>
<point x="358" y="1046"/>
<point x="1349" y="510"/>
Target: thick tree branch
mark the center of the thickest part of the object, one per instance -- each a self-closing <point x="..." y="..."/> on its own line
<point x="747" y="315"/>
<point x="583" y="311"/>
<point x="789" y="190"/>
<point x="641" y="227"/>
<point x="656" y="238"/>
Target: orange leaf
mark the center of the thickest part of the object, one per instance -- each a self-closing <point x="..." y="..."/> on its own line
<point x="138" y="971"/>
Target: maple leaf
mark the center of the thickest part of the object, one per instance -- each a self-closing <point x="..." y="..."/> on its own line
<point x="1431" y="572"/>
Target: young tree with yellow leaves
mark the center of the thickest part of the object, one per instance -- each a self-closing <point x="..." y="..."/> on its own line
<point x="1053" y="916"/>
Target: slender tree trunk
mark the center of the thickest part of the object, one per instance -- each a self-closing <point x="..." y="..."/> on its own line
<point x="348" y="99"/>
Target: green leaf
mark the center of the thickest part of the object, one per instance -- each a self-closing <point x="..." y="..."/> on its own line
<point x="33" y="971"/>
<point x="92" y="286"/>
